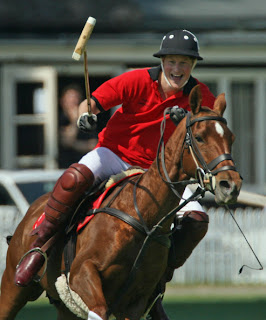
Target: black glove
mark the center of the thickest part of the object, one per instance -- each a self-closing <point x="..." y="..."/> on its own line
<point x="177" y="114"/>
<point x="87" y="122"/>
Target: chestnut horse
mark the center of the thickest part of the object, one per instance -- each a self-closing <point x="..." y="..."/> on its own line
<point x="102" y="281"/>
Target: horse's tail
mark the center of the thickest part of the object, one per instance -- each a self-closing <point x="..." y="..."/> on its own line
<point x="8" y="239"/>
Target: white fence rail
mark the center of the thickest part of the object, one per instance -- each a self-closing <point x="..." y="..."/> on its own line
<point x="219" y="256"/>
<point x="223" y="251"/>
<point x="9" y="219"/>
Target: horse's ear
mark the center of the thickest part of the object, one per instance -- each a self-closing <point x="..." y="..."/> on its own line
<point x="195" y="99"/>
<point x="220" y="104"/>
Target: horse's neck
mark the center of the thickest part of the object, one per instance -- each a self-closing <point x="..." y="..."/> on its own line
<point x="161" y="198"/>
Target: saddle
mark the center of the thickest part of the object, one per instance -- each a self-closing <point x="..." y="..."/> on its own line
<point x="87" y="209"/>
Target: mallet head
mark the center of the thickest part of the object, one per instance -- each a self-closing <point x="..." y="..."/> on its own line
<point x="84" y="37"/>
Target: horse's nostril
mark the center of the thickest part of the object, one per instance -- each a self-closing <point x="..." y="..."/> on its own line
<point x="225" y="184"/>
<point x="228" y="188"/>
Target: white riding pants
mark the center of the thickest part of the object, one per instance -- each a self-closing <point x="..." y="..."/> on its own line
<point x="103" y="163"/>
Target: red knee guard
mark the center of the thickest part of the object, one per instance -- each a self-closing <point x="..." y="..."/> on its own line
<point x="67" y="191"/>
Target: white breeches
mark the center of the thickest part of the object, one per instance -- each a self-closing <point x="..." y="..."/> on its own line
<point x="103" y="163"/>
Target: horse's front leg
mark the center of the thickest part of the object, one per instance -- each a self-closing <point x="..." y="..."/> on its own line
<point x="85" y="281"/>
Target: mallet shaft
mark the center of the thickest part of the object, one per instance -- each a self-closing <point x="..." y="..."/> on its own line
<point x="80" y="49"/>
<point x="87" y="83"/>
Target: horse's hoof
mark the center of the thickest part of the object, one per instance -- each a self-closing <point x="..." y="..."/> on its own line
<point x="28" y="268"/>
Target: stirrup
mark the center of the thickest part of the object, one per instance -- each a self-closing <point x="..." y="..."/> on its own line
<point x="36" y="278"/>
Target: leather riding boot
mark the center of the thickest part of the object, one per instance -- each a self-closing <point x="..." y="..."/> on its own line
<point x="190" y="231"/>
<point x="69" y="189"/>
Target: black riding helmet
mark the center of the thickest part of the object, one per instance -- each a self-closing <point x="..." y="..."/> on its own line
<point x="181" y="42"/>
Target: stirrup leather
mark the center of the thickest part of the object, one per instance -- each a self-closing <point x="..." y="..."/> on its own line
<point x="37" y="278"/>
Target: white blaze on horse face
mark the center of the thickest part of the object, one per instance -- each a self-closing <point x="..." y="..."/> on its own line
<point x="219" y="129"/>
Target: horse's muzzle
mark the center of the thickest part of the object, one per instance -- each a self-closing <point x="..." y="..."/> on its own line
<point x="227" y="191"/>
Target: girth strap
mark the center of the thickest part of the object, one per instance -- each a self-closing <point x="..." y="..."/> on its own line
<point x="122" y="216"/>
<point x="162" y="239"/>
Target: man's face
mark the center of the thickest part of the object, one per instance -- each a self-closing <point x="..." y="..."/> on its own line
<point x="177" y="69"/>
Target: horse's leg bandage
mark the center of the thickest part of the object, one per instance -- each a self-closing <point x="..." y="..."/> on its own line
<point x="70" y="298"/>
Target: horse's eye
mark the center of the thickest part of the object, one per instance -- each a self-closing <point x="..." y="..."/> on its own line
<point x="199" y="139"/>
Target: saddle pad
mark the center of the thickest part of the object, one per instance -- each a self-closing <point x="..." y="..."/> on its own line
<point x="39" y="221"/>
<point x="95" y="205"/>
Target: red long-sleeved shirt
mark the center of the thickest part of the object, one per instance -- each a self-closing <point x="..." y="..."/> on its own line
<point x="133" y="132"/>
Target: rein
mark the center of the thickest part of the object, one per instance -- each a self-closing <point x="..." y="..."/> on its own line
<point x="203" y="172"/>
<point x="150" y="236"/>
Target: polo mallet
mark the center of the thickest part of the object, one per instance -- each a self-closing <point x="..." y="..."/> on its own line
<point x="81" y="49"/>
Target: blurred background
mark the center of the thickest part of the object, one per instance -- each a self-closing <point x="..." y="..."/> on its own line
<point x="37" y="39"/>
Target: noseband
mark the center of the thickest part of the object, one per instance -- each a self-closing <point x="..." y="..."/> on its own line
<point x="205" y="173"/>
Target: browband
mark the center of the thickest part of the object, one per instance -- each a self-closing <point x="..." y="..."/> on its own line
<point x="191" y="122"/>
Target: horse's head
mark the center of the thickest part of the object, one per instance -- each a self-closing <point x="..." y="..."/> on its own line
<point x="208" y="149"/>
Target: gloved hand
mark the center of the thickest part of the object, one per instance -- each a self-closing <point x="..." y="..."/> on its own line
<point x="177" y="114"/>
<point x="87" y="122"/>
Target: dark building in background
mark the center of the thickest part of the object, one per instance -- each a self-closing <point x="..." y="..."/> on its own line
<point x="37" y="39"/>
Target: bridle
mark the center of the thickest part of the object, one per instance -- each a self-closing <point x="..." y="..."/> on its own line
<point x="208" y="170"/>
<point x="205" y="173"/>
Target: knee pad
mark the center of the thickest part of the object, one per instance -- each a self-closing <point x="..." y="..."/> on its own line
<point x="192" y="229"/>
<point x="194" y="225"/>
<point x="196" y="215"/>
<point x="68" y="190"/>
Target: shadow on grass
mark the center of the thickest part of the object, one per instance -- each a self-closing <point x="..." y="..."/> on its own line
<point x="214" y="310"/>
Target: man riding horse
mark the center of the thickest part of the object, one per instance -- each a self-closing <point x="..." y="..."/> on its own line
<point x="129" y="139"/>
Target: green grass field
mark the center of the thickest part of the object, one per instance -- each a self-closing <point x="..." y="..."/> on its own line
<point x="189" y="303"/>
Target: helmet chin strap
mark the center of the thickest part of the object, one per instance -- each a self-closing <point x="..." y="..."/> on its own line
<point x="166" y="79"/>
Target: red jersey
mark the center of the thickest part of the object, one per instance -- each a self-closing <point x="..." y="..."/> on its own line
<point x="133" y="132"/>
